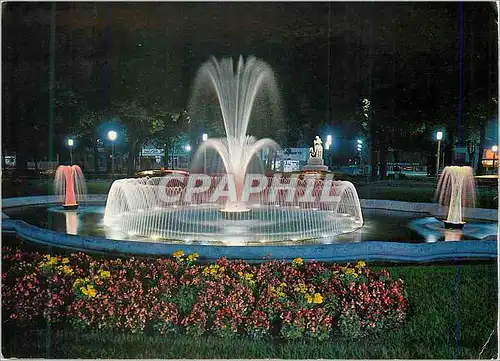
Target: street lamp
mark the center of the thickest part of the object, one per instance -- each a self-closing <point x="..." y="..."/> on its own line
<point x="70" y="144"/>
<point x="327" y="147"/>
<point x="188" y="149"/>
<point x="205" y="138"/>
<point x="439" y="136"/>
<point x="112" y="135"/>
<point x="359" y="146"/>
<point x="328" y="142"/>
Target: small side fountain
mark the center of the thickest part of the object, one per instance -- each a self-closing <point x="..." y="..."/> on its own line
<point x="456" y="189"/>
<point x="69" y="184"/>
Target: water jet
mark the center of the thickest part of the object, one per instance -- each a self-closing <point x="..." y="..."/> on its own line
<point x="69" y="184"/>
<point x="456" y="190"/>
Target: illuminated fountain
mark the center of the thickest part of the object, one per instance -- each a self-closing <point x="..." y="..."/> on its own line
<point x="187" y="209"/>
<point x="236" y="90"/>
<point x="292" y="209"/>
<point x="456" y="189"/>
<point x="69" y="184"/>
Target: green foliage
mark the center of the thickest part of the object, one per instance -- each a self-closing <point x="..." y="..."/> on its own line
<point x="186" y="297"/>
<point x="350" y="326"/>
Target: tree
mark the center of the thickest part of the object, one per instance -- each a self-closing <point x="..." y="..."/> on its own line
<point x="167" y="129"/>
<point x="85" y="130"/>
<point x="138" y="122"/>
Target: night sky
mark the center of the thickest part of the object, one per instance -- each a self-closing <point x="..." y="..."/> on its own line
<point x="406" y="57"/>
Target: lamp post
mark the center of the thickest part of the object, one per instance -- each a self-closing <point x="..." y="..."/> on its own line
<point x="359" y="146"/>
<point x="205" y="138"/>
<point x="188" y="149"/>
<point x="494" y="149"/>
<point x="70" y="144"/>
<point x="439" y="136"/>
<point x="327" y="147"/>
<point x="112" y="135"/>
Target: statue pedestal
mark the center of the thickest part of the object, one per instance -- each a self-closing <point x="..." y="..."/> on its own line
<point x="315" y="164"/>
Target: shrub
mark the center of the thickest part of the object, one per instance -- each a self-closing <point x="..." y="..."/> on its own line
<point x="292" y="300"/>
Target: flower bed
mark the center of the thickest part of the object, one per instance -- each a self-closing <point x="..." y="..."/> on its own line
<point x="291" y="300"/>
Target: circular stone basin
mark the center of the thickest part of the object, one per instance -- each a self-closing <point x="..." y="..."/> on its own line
<point x="386" y="235"/>
<point x="212" y="228"/>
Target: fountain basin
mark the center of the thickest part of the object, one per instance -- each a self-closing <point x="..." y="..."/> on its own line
<point x="379" y="241"/>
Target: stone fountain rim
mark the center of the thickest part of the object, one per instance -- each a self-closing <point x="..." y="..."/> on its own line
<point x="418" y="207"/>
<point x="369" y="251"/>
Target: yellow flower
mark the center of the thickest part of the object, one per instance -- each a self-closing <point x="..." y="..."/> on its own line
<point x="65" y="260"/>
<point x="282" y="284"/>
<point x="361" y="264"/>
<point x="240" y="274"/>
<point x="248" y="276"/>
<point x="317" y="298"/>
<point x="66" y="270"/>
<point x="52" y="261"/>
<point x="193" y="257"/>
<point x="301" y="288"/>
<point x="309" y="299"/>
<point x="349" y="271"/>
<point x="104" y="274"/>
<point x="92" y="292"/>
<point x="80" y="281"/>
<point x="178" y="254"/>
<point x="88" y="291"/>
<point x="297" y="262"/>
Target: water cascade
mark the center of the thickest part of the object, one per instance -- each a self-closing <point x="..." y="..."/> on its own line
<point x="288" y="210"/>
<point x="69" y="184"/>
<point x="236" y="89"/>
<point x="456" y="189"/>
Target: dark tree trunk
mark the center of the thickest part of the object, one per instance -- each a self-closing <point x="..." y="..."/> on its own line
<point x="374" y="161"/>
<point x="132" y="156"/>
<point x="96" y="156"/>
<point x="269" y="162"/>
<point x="480" y="150"/>
<point x="383" y="160"/>
<point x="166" y="147"/>
<point x="21" y="159"/>
<point x="447" y="148"/>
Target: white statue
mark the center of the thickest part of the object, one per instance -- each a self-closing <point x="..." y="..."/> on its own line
<point x="312" y="153"/>
<point x="318" y="148"/>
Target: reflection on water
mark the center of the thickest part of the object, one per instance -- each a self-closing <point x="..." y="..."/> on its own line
<point x="379" y="225"/>
<point x="452" y="235"/>
<point x="433" y="230"/>
<point x="71" y="222"/>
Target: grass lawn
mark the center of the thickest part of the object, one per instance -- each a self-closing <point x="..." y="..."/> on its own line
<point x="441" y="324"/>
<point x="410" y="191"/>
